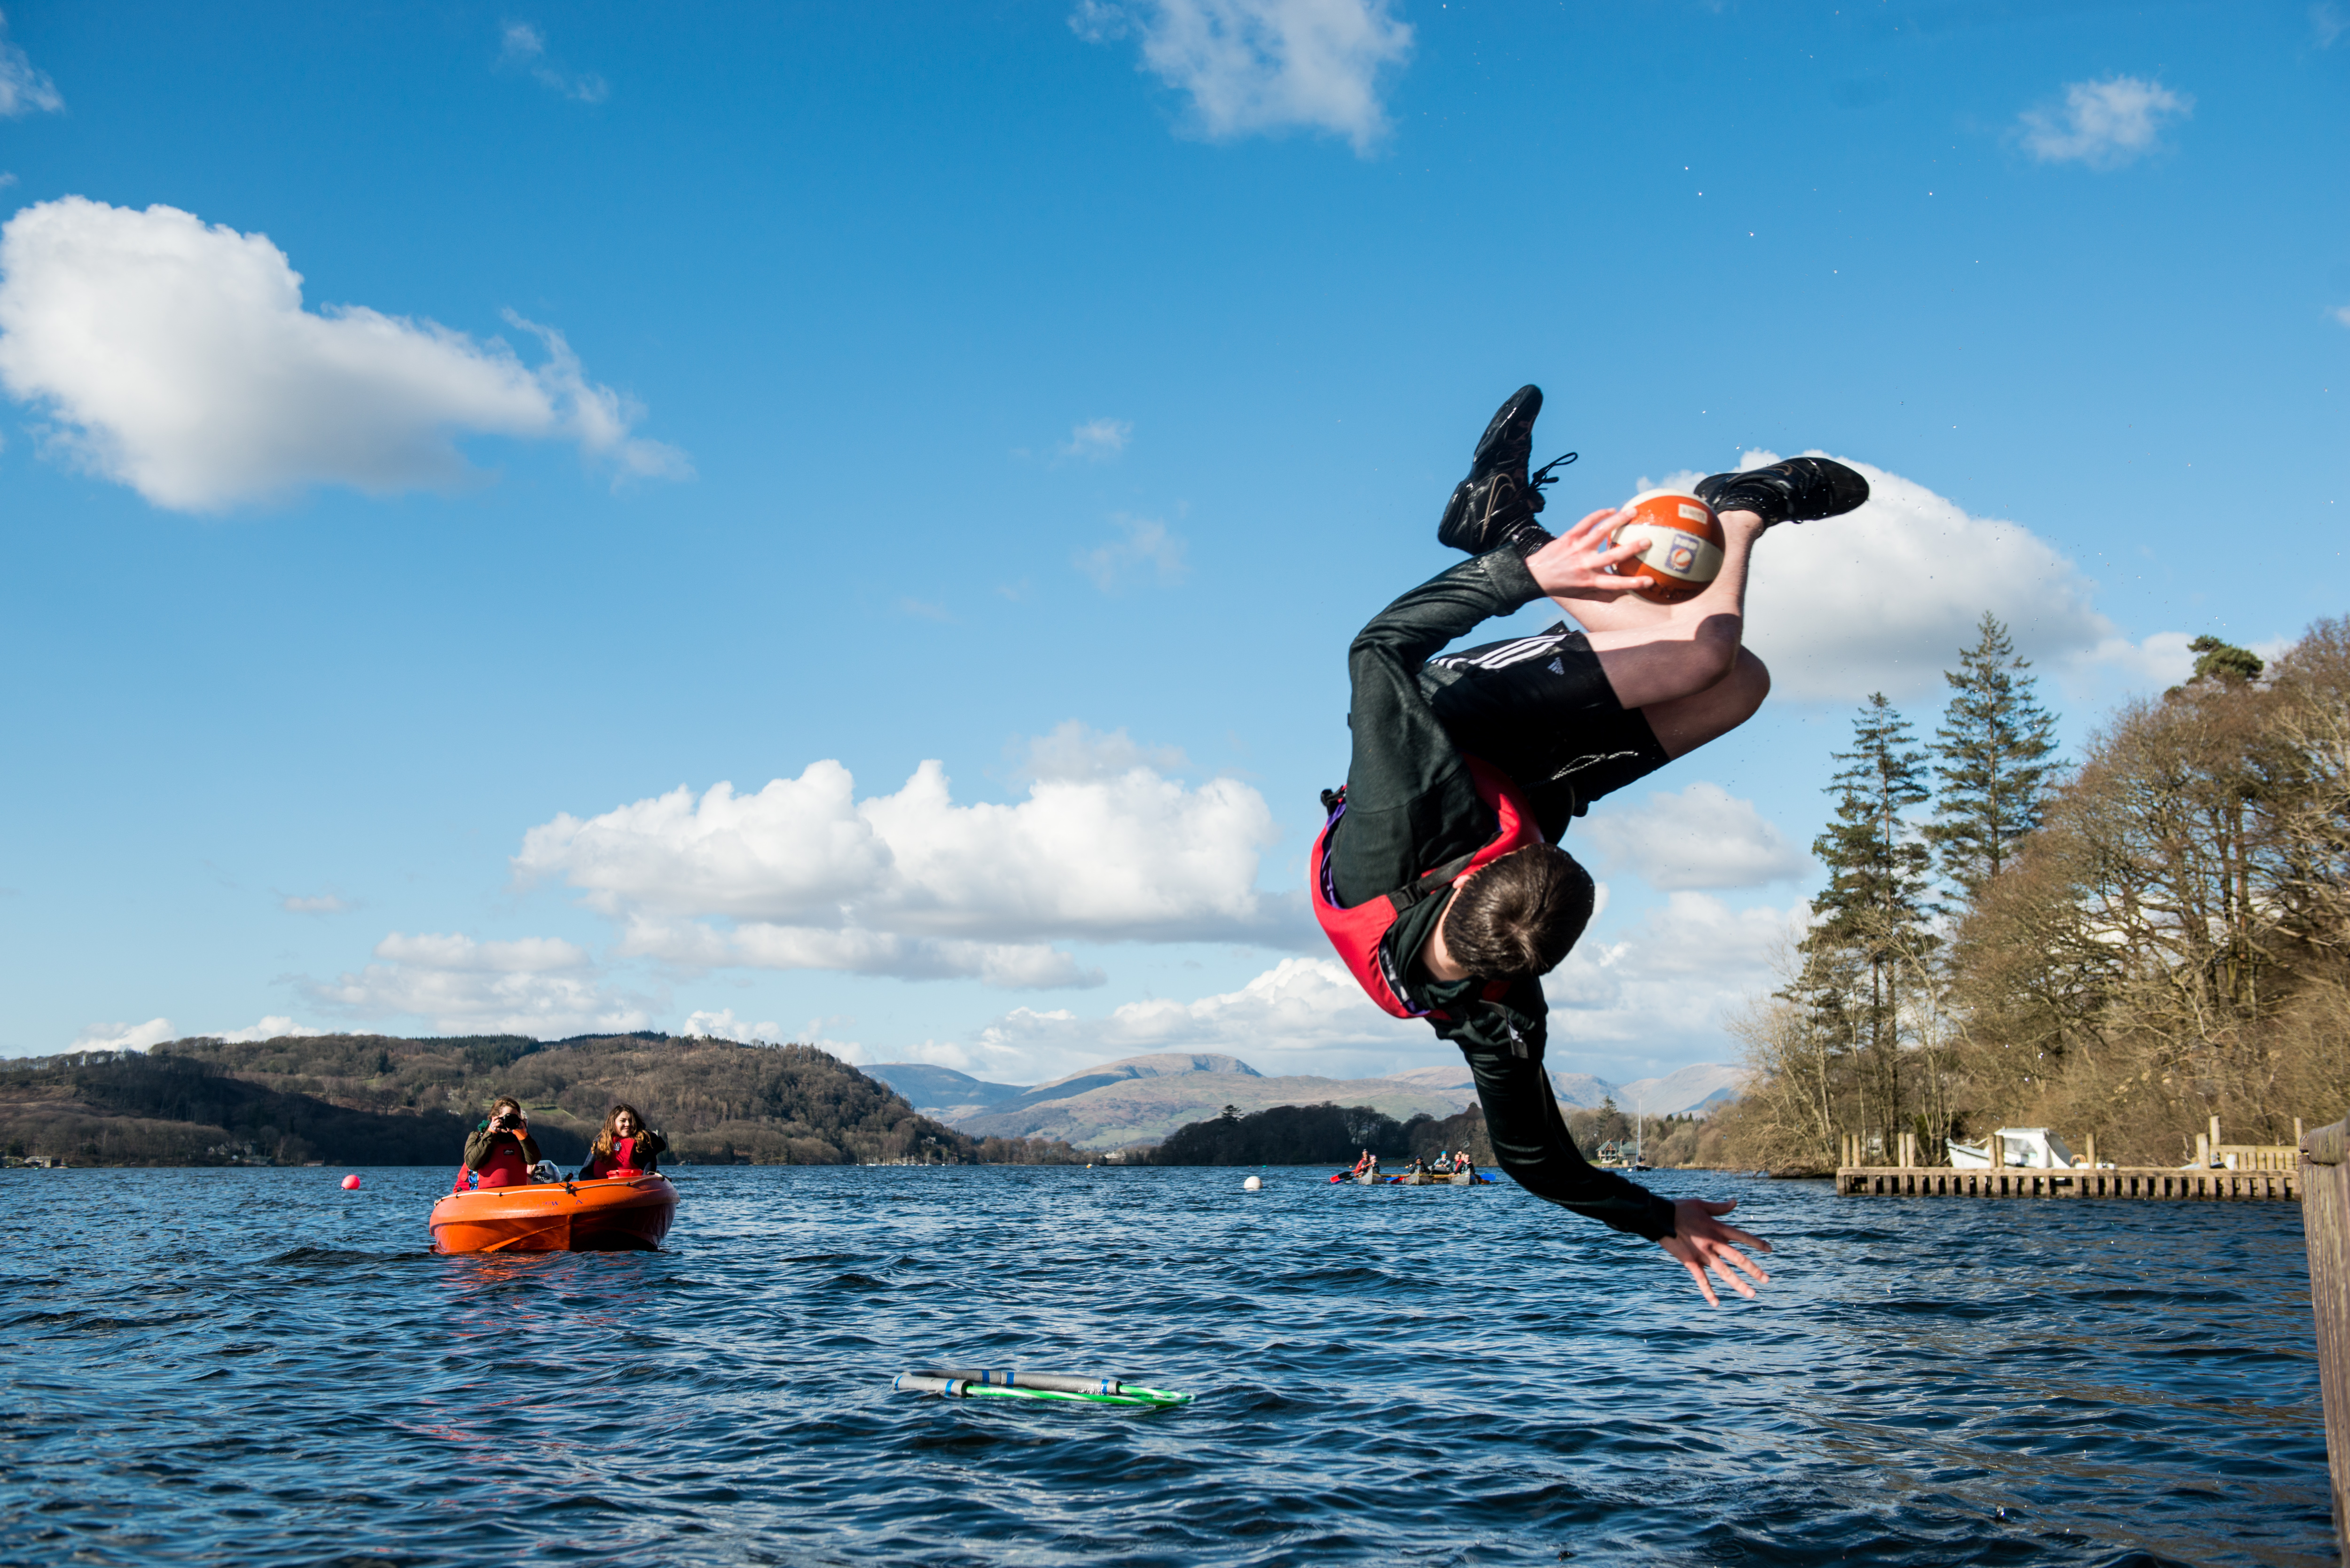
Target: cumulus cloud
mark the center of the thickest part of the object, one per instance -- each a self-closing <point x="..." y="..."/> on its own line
<point x="1704" y="837"/>
<point x="176" y="357"/>
<point x="1099" y="440"/>
<point x="1665" y="984"/>
<point x="276" y="1026"/>
<point x="23" y="90"/>
<point x="724" y="1025"/>
<point x="1104" y="847"/>
<point x="2103" y="124"/>
<point x="524" y="47"/>
<point x="122" y="1036"/>
<point x="1252" y="66"/>
<point x="1303" y="1015"/>
<point x="1882" y="599"/>
<point x="539" y="985"/>
<point x="1144" y="546"/>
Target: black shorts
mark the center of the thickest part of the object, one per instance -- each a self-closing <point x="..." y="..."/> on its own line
<point x="1540" y="709"/>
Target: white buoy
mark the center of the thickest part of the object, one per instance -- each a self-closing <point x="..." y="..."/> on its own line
<point x="1253" y="1184"/>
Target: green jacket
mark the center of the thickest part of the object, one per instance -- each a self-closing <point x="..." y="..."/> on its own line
<point x="482" y="1140"/>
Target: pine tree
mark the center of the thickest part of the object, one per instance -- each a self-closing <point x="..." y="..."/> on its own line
<point x="1872" y="916"/>
<point x="1996" y="753"/>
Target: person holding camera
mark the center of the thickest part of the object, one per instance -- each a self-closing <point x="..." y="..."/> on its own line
<point x="625" y="1148"/>
<point x="501" y="1151"/>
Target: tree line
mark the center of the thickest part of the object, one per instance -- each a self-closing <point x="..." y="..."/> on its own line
<point x="371" y="1099"/>
<point x="2125" y="945"/>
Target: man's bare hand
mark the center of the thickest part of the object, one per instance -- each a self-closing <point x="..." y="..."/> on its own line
<point x="1575" y="565"/>
<point x="1701" y="1241"/>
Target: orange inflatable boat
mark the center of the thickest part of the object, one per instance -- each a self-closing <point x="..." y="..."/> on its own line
<point x="619" y="1214"/>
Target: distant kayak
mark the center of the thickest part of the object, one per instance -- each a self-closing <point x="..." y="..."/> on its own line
<point x="619" y="1214"/>
<point x="1418" y="1178"/>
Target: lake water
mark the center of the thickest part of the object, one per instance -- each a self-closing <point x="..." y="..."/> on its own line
<point x="256" y="1367"/>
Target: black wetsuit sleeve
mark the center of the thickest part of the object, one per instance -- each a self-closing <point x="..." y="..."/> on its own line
<point x="1411" y="804"/>
<point x="1530" y="1140"/>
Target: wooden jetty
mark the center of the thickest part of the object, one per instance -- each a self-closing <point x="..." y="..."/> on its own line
<point x="2221" y="1171"/>
<point x="2325" y="1230"/>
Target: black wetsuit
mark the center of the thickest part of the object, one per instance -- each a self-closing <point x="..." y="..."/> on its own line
<point x="1540" y="709"/>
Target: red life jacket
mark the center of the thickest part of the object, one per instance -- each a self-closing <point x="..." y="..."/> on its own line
<point x="506" y="1167"/>
<point x="620" y="1162"/>
<point x="1360" y="932"/>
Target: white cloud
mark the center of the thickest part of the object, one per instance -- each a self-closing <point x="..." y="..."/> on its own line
<point x="1099" y="440"/>
<point x="1883" y="598"/>
<point x="1254" y="65"/>
<point x="1303" y="1015"/>
<point x="539" y="985"/>
<point x="315" y="904"/>
<point x="916" y="884"/>
<point x="178" y="359"/>
<point x="2327" y="23"/>
<point x="724" y="1025"/>
<point x="1703" y="837"/>
<point x="524" y="47"/>
<point x="122" y="1036"/>
<point x="1075" y="751"/>
<point x="274" y="1027"/>
<point x="23" y="90"/>
<point x="2104" y="124"/>
<point x="1665" y="983"/>
<point x="1146" y="543"/>
<point x="2161" y="659"/>
<point x="2341" y="313"/>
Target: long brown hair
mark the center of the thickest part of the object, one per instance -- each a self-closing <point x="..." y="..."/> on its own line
<point x="605" y="1140"/>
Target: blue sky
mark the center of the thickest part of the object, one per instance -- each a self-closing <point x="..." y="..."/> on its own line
<point x="734" y="395"/>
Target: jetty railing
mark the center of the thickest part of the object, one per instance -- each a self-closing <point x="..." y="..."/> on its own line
<point x="2326" y="1229"/>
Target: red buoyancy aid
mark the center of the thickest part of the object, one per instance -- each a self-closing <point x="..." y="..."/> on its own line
<point x="620" y="1162"/>
<point x="1360" y="932"/>
<point x="506" y="1167"/>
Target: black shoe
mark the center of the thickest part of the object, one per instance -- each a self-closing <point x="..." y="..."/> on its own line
<point x="1799" y="490"/>
<point x="1495" y="505"/>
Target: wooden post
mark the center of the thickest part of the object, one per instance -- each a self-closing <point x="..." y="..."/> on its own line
<point x="1998" y="1154"/>
<point x="2089" y="1150"/>
<point x="2215" y="1137"/>
<point x="2202" y="1152"/>
<point x="2326" y="1228"/>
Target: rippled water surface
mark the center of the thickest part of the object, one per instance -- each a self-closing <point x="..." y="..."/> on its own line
<point x="255" y="1367"/>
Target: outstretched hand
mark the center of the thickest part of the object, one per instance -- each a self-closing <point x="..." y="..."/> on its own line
<point x="1578" y="564"/>
<point x="1701" y="1241"/>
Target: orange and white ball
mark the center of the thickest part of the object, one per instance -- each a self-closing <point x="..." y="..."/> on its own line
<point x="1682" y="544"/>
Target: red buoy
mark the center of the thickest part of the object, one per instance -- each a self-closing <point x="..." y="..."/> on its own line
<point x="351" y="1184"/>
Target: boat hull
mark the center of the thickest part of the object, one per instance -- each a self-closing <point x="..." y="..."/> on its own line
<point x="626" y="1214"/>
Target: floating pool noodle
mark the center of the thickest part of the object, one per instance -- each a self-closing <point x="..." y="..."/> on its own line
<point x="954" y="1384"/>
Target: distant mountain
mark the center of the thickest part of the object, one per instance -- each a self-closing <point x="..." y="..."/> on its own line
<point x="942" y="1092"/>
<point x="1142" y="1099"/>
<point x="1682" y="1090"/>
<point x="1576" y="1091"/>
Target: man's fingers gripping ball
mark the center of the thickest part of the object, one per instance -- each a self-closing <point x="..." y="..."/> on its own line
<point x="1583" y="563"/>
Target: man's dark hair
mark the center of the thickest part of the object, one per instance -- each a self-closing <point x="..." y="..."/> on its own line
<point x="1520" y="915"/>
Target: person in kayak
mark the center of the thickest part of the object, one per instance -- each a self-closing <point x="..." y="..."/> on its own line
<point x="1439" y="877"/>
<point x="625" y="1146"/>
<point x="501" y="1151"/>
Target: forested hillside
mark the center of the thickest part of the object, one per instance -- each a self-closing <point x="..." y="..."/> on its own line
<point x="369" y="1099"/>
<point x="2126" y="947"/>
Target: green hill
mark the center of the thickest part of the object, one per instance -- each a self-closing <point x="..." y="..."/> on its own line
<point x="376" y="1099"/>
